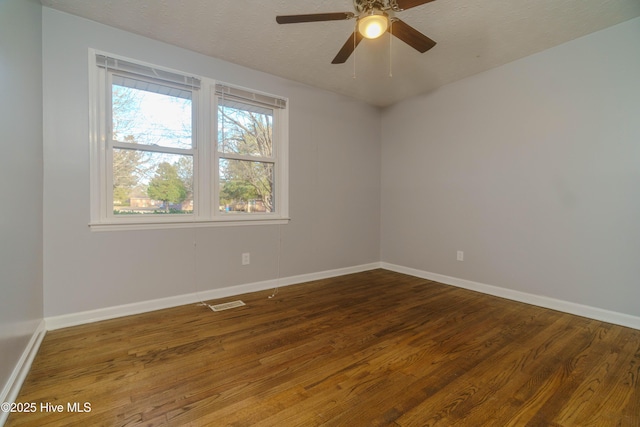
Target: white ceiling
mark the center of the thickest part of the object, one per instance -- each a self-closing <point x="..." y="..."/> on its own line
<point x="472" y="36"/>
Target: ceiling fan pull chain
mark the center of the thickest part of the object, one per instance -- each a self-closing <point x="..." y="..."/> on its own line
<point x="390" y="47"/>
<point x="354" y="49"/>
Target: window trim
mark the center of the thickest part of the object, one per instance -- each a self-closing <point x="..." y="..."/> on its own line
<point x="204" y="151"/>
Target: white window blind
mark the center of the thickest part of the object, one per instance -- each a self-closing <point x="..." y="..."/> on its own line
<point x="230" y="92"/>
<point x="188" y="82"/>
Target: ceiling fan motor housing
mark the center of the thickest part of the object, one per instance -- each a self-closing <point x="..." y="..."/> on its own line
<point x="393" y="5"/>
<point x="366" y="5"/>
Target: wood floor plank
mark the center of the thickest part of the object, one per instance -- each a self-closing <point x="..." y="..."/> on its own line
<point x="459" y="383"/>
<point x="618" y="388"/>
<point x="372" y="348"/>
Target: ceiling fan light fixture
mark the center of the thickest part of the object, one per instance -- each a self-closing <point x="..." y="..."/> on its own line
<point x="373" y="23"/>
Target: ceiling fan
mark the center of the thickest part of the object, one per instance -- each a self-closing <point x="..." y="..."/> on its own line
<point x="373" y="18"/>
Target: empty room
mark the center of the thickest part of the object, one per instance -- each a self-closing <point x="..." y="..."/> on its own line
<point x="338" y="212"/>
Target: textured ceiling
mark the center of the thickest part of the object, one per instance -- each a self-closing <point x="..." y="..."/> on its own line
<point x="472" y="36"/>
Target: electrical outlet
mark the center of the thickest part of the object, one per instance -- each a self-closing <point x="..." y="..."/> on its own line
<point x="246" y="258"/>
<point x="460" y="256"/>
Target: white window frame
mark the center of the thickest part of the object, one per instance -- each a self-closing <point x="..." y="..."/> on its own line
<point x="204" y="150"/>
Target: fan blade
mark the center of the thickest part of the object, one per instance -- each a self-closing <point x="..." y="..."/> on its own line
<point x="411" y="36"/>
<point x="408" y="4"/>
<point x="348" y="48"/>
<point x="314" y="17"/>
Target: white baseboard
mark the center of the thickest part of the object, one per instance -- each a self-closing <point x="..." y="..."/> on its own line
<point x="74" y="319"/>
<point x="14" y="384"/>
<point x="538" y="300"/>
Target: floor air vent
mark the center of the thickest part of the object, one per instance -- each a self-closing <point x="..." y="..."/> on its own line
<point x="227" y="305"/>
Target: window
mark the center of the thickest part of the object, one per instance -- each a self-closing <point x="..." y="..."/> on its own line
<point x="170" y="149"/>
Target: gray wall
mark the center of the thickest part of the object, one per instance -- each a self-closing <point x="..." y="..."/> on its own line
<point x="20" y="179"/>
<point x="334" y="192"/>
<point x="532" y="169"/>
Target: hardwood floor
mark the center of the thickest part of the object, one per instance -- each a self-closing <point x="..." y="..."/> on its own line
<point x="373" y="348"/>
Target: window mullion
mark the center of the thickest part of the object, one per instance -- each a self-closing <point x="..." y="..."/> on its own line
<point x="202" y="208"/>
<point x="214" y="179"/>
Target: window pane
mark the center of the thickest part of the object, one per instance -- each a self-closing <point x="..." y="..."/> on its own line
<point x="246" y="186"/>
<point x="151" y="113"/>
<point x="151" y="183"/>
<point x="244" y="129"/>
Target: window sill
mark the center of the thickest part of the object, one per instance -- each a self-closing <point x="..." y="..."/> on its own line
<point x="222" y="222"/>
